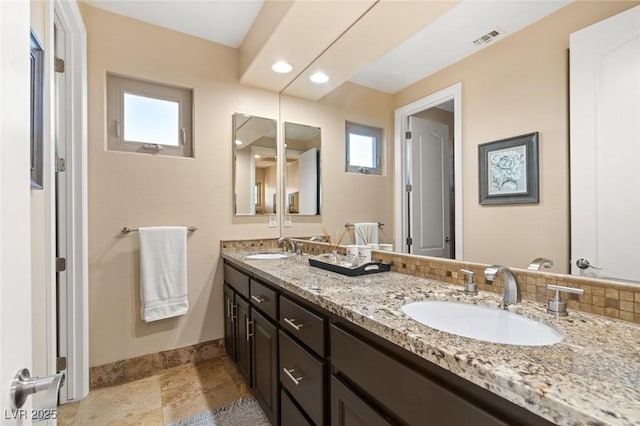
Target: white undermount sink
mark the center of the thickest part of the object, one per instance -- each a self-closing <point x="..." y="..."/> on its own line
<point x="266" y="256"/>
<point x="482" y="323"/>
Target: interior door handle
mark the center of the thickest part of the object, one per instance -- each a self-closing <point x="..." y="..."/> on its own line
<point x="24" y="385"/>
<point x="584" y="264"/>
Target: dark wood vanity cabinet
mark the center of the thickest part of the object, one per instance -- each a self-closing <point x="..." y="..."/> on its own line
<point x="237" y="319"/>
<point x="307" y="366"/>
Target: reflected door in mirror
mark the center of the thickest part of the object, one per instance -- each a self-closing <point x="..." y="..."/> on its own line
<point x="302" y="145"/>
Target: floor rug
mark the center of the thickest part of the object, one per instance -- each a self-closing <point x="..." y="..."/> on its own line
<point x="243" y="412"/>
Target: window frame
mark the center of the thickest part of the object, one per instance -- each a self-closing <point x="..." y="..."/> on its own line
<point x="36" y="56"/>
<point x="369" y="131"/>
<point x="118" y="85"/>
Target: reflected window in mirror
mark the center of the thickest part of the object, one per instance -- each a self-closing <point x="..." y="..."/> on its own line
<point x="363" y="149"/>
<point x="254" y="165"/>
<point x="302" y="175"/>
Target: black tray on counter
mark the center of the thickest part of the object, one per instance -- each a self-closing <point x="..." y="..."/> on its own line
<point x="322" y="262"/>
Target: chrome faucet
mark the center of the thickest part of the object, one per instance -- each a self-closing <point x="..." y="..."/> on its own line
<point x="537" y="263"/>
<point x="318" y="239"/>
<point x="510" y="290"/>
<point x="288" y="241"/>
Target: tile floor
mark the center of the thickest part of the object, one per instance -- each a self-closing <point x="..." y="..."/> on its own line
<point x="167" y="397"/>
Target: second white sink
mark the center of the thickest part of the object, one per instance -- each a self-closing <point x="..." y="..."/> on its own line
<point x="482" y="323"/>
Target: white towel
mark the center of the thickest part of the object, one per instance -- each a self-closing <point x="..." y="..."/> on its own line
<point x="367" y="229"/>
<point x="163" y="272"/>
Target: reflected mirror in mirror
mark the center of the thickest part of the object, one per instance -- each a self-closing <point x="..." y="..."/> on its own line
<point x="254" y="164"/>
<point x="302" y="175"/>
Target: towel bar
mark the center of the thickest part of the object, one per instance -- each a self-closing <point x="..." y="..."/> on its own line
<point x="347" y="225"/>
<point x="126" y="229"/>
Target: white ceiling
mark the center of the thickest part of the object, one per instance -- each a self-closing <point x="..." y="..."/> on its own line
<point x="444" y="42"/>
<point x="450" y="39"/>
<point x="222" y="21"/>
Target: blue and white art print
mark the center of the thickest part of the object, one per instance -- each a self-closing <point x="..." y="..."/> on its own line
<point x="507" y="172"/>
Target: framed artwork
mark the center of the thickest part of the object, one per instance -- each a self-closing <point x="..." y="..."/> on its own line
<point x="509" y="170"/>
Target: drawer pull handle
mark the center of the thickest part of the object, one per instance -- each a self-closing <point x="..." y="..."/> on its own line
<point x="234" y="307"/>
<point x="296" y="380"/>
<point x="257" y="299"/>
<point x="292" y="323"/>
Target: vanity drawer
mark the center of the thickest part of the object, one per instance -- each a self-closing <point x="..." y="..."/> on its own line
<point x="303" y="376"/>
<point x="303" y="324"/>
<point x="237" y="280"/>
<point x="400" y="389"/>
<point x="264" y="299"/>
<point x="290" y="414"/>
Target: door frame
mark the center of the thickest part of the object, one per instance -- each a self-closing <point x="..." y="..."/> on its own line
<point x="76" y="384"/>
<point x="402" y="114"/>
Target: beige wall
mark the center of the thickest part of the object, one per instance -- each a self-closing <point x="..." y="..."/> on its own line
<point x="346" y="197"/>
<point x="519" y="85"/>
<point x="128" y="189"/>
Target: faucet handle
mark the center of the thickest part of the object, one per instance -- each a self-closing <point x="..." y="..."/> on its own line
<point x="469" y="286"/>
<point x="557" y="306"/>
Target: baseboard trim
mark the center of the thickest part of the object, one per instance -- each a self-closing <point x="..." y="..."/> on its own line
<point x="127" y="370"/>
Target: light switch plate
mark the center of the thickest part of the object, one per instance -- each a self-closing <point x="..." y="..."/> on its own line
<point x="273" y="221"/>
<point x="287" y="221"/>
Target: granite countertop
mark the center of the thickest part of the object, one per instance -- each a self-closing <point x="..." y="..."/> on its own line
<point x="591" y="377"/>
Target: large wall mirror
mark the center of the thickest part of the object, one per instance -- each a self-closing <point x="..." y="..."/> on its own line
<point x="254" y="165"/>
<point x="302" y="169"/>
<point x="510" y="234"/>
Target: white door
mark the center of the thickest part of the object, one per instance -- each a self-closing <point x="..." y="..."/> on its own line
<point x="15" y="253"/>
<point x="429" y="196"/>
<point x="308" y="172"/>
<point x="605" y="147"/>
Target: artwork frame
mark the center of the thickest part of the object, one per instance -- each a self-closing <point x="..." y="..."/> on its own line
<point x="508" y="170"/>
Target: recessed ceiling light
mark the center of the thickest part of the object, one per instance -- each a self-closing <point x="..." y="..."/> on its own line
<point x="319" y="77"/>
<point x="256" y="156"/>
<point x="282" y="67"/>
<point x="238" y="142"/>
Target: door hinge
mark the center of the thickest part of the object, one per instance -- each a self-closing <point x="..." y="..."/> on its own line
<point x="409" y="187"/>
<point x="407" y="135"/>
<point x="58" y="65"/>
<point x="61" y="165"/>
<point x="409" y="241"/>
<point x="61" y="264"/>
<point x="61" y="364"/>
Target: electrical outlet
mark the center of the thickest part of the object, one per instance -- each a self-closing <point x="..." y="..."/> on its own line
<point x="273" y="221"/>
<point x="287" y="221"/>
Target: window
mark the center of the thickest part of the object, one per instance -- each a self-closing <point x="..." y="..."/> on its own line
<point x="363" y="149"/>
<point x="149" y="117"/>
<point x="37" y="110"/>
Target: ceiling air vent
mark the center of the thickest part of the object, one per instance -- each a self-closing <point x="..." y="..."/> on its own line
<point x="487" y="38"/>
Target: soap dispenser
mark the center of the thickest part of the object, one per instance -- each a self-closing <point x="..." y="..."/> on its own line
<point x="470" y="287"/>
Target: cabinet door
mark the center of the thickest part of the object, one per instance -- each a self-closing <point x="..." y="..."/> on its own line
<point x="347" y="409"/>
<point x="243" y="346"/>
<point x="265" y="364"/>
<point x="290" y="415"/>
<point x="229" y="322"/>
